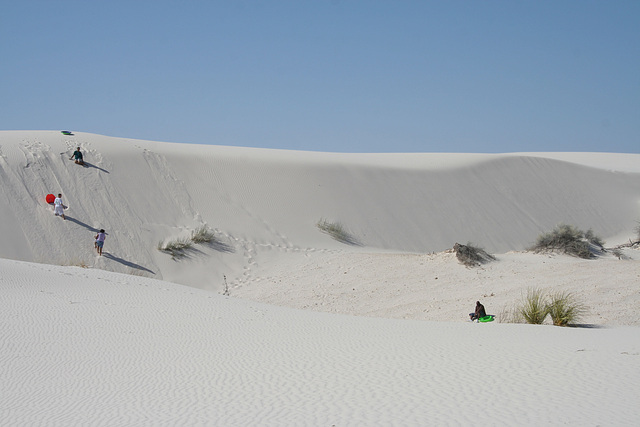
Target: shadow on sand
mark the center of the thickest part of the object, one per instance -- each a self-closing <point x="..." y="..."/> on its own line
<point x="184" y="253"/>
<point x="588" y="326"/>
<point x="87" y="226"/>
<point x="83" y="164"/>
<point x="125" y="262"/>
<point x="221" y="246"/>
<point x="89" y="165"/>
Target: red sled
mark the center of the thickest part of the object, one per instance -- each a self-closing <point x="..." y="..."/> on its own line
<point x="50" y="198"/>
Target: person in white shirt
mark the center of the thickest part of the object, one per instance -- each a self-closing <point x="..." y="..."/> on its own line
<point x="100" y="241"/>
<point x="58" y="206"/>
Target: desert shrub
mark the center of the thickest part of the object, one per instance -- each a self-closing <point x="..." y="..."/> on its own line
<point x="203" y="235"/>
<point x="593" y="239"/>
<point x="564" y="308"/>
<point x="570" y="240"/>
<point x="534" y="307"/>
<point x="176" y="248"/>
<point x="337" y="231"/>
<point x="471" y="255"/>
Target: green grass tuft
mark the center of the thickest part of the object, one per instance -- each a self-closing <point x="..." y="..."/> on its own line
<point x="564" y="308"/>
<point x="534" y="308"/>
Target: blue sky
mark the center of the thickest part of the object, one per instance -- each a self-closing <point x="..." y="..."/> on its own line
<point x="342" y="75"/>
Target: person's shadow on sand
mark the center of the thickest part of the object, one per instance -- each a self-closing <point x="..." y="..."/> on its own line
<point x="89" y="165"/>
<point x="87" y="226"/>
<point x="125" y="262"/>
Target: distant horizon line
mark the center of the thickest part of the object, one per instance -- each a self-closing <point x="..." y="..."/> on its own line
<point x="317" y="150"/>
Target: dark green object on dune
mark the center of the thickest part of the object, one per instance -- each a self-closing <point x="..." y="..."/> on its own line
<point x="66" y="132"/>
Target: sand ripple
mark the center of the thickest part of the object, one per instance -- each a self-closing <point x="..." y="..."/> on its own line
<point x="88" y="347"/>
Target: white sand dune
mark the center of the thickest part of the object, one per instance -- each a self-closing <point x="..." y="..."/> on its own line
<point x="91" y="346"/>
<point x="260" y="201"/>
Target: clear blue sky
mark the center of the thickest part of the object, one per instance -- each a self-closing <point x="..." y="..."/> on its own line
<point x="342" y="75"/>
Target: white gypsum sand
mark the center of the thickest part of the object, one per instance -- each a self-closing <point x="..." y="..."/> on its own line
<point x="92" y="346"/>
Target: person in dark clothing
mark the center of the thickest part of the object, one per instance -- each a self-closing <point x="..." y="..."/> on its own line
<point x="480" y="312"/>
<point x="78" y="156"/>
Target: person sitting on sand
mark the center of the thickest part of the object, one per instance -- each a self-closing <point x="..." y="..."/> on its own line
<point x="78" y="156"/>
<point x="480" y="312"/>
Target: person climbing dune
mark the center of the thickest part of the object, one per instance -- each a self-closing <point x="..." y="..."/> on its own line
<point x="100" y="241"/>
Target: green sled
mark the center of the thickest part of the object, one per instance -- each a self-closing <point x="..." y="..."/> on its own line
<point x="485" y="319"/>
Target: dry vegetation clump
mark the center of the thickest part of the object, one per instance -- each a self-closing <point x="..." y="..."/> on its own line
<point x="177" y="248"/>
<point x="203" y="235"/>
<point x="472" y="256"/>
<point x="569" y="240"/>
<point x="337" y="231"/>
<point x="617" y="250"/>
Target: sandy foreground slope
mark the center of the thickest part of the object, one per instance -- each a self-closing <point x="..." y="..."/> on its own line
<point x="92" y="346"/>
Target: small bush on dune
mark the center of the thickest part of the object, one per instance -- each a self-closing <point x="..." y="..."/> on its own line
<point x="176" y="248"/>
<point x="570" y="240"/>
<point x="534" y="308"/>
<point x="472" y="256"/>
<point x="337" y="231"/>
<point x="565" y="309"/>
<point x="203" y="235"/>
<point x="593" y="239"/>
